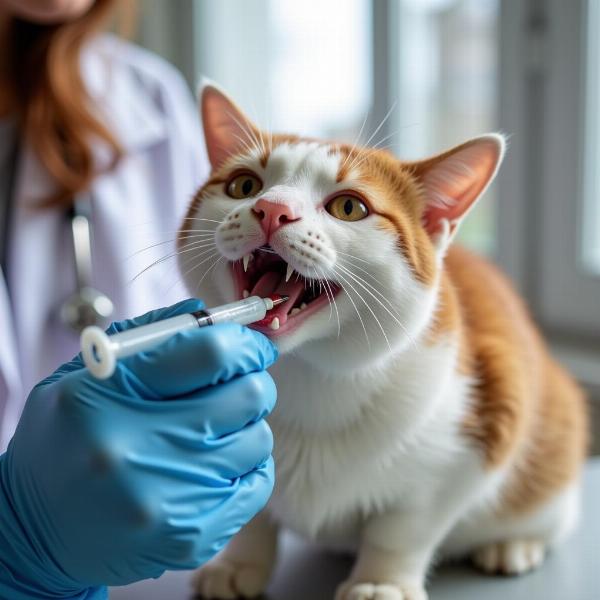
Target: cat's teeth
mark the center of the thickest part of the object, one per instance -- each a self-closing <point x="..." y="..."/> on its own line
<point x="303" y="306"/>
<point x="245" y="294"/>
<point x="289" y="272"/>
<point x="294" y="311"/>
<point x="274" y="325"/>
<point x="246" y="260"/>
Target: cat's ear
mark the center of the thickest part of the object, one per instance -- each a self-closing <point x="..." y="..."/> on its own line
<point x="227" y="130"/>
<point x="453" y="181"/>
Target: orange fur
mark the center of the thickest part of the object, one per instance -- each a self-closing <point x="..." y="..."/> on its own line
<point x="527" y="414"/>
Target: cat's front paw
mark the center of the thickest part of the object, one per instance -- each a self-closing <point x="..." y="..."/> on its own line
<point x="223" y="579"/>
<point x="353" y="590"/>
<point x="513" y="557"/>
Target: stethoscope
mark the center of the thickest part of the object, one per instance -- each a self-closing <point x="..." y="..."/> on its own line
<point x="86" y="306"/>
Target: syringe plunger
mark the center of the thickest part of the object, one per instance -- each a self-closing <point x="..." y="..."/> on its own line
<point x="101" y="351"/>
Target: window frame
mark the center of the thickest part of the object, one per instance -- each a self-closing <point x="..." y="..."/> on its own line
<point x="543" y="47"/>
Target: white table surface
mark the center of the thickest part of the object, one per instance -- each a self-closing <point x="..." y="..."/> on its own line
<point x="572" y="572"/>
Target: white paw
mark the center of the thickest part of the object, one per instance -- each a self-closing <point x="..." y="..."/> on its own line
<point x="222" y="579"/>
<point x="511" y="558"/>
<point x="352" y="590"/>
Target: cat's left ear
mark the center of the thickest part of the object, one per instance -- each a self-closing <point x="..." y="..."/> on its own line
<point x="453" y="181"/>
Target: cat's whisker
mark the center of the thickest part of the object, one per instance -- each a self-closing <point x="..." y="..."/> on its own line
<point x="323" y="291"/>
<point x="367" y="306"/>
<point x="247" y="147"/>
<point x="353" y="256"/>
<point x="247" y="129"/>
<point x="361" y="159"/>
<point x="358" y="315"/>
<point x="182" y="277"/>
<point x="375" y="290"/>
<point x="263" y="142"/>
<point x="361" y="281"/>
<point x="269" y="131"/>
<point x="383" y="121"/>
<point x="385" y="138"/>
<point x="197" y="289"/>
<point x="391" y="314"/>
<point x="208" y="232"/>
<point x="170" y="256"/>
<point x="198" y="264"/>
<point x="355" y="266"/>
<point x="200" y="219"/>
<point x="244" y="128"/>
<point x="261" y="135"/>
<point x="175" y="232"/>
<point x="193" y="236"/>
<point x="356" y="141"/>
<point x="204" y="236"/>
<point x="332" y="295"/>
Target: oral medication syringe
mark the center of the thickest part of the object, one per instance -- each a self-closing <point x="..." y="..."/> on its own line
<point x="101" y="351"/>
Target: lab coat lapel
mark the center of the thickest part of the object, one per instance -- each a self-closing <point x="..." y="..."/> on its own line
<point x="10" y="381"/>
<point x="41" y="274"/>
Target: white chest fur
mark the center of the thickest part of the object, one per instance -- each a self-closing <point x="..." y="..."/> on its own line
<point x="350" y="446"/>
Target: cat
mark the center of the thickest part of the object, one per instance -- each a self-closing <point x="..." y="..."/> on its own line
<point x="419" y="412"/>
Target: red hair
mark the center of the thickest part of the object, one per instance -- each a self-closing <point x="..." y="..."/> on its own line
<point x="55" y="113"/>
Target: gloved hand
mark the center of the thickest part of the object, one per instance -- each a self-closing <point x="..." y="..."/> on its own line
<point x="108" y="482"/>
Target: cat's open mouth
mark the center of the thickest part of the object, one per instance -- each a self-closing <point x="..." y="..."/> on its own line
<point x="265" y="274"/>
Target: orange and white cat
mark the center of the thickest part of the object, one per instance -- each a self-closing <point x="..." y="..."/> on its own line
<point x="420" y="413"/>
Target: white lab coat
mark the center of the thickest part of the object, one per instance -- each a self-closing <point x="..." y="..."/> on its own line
<point x="149" y="109"/>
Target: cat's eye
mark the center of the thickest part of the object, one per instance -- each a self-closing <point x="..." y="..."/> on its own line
<point x="243" y="185"/>
<point x="347" y="208"/>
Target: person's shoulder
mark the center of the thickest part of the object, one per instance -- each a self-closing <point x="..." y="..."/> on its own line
<point x="144" y="67"/>
<point x="141" y="95"/>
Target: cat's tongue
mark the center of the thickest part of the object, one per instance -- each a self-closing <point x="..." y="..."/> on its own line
<point x="271" y="283"/>
<point x="266" y="284"/>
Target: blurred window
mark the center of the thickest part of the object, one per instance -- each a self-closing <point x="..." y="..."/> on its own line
<point x="561" y="202"/>
<point x="297" y="67"/>
<point x="445" y="85"/>
<point x="590" y="250"/>
<point x="320" y="66"/>
<point x="307" y="67"/>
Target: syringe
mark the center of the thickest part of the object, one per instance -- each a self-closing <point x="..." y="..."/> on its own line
<point x="101" y="351"/>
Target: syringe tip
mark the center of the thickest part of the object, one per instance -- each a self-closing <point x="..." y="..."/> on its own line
<point x="277" y="300"/>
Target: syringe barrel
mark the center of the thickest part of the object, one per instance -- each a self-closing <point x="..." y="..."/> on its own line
<point x="244" y="312"/>
<point x="141" y="338"/>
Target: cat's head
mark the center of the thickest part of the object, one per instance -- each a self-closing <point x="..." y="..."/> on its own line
<point x="354" y="237"/>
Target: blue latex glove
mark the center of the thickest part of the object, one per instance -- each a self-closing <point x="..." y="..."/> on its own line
<point x="108" y="482"/>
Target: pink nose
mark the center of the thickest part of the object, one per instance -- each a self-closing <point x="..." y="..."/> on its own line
<point x="273" y="215"/>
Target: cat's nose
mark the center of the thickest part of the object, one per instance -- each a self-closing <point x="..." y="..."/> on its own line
<point x="273" y="215"/>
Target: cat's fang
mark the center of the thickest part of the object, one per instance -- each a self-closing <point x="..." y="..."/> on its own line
<point x="289" y="272"/>
<point x="246" y="260"/>
<point x="245" y="293"/>
<point x="274" y="324"/>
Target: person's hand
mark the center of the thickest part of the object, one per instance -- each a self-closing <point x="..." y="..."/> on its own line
<point x="108" y="482"/>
